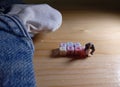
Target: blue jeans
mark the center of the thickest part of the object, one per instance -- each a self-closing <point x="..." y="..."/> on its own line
<point x="5" y="5"/>
<point x="16" y="54"/>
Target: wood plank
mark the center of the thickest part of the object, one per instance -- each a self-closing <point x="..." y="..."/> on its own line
<point x="100" y="70"/>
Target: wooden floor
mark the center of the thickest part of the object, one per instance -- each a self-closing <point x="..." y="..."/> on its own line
<point x="101" y="70"/>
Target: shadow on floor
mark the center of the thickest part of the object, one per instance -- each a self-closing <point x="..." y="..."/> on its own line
<point x="55" y="54"/>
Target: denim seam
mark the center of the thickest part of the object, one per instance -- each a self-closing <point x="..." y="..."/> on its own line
<point x="22" y="28"/>
<point x="19" y="24"/>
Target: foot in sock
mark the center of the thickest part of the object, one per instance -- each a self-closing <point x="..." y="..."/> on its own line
<point x="37" y="18"/>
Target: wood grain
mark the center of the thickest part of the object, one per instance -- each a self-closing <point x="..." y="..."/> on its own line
<point x="100" y="70"/>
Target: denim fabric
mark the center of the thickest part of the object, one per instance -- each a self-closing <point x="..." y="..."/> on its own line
<point x="16" y="54"/>
<point x="5" y="5"/>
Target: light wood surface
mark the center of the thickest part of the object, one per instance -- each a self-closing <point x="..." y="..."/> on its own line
<point x="101" y="70"/>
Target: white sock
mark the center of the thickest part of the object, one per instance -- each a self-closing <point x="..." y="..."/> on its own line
<point x="37" y="18"/>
